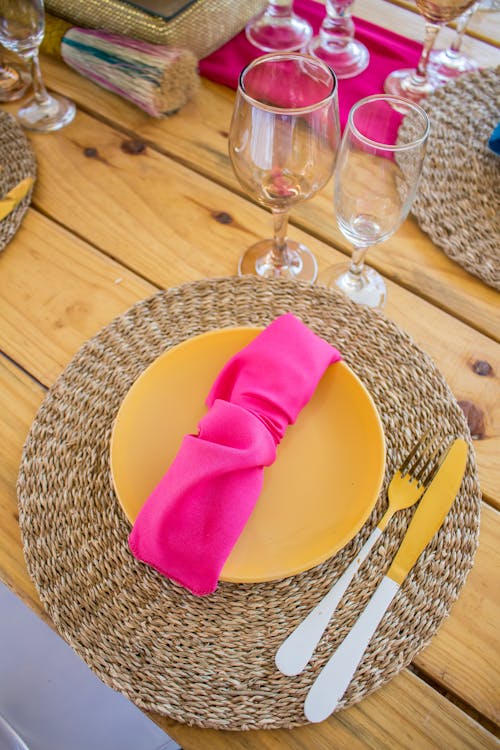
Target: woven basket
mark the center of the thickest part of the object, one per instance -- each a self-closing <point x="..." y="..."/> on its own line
<point x="201" y="27"/>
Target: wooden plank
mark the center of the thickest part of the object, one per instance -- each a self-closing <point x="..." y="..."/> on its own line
<point x="197" y="136"/>
<point x="406" y="712"/>
<point x="56" y="293"/>
<point x="464" y="656"/>
<point x="400" y="716"/>
<point x="20" y="398"/>
<point x="72" y="290"/>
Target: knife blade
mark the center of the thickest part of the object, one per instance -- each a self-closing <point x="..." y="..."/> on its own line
<point x="333" y="680"/>
<point x="12" y="199"/>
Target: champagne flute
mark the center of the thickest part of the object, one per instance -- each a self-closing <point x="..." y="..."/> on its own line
<point x="14" y="81"/>
<point x="22" y="26"/>
<point x="378" y="169"/>
<point x="283" y="142"/>
<point x="335" y="43"/>
<point x="416" y="83"/>
<point x="278" y="28"/>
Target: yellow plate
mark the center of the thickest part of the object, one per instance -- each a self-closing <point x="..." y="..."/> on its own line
<point x="316" y="496"/>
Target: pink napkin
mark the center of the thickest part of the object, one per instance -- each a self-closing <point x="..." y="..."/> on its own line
<point x="388" y="52"/>
<point x="193" y="518"/>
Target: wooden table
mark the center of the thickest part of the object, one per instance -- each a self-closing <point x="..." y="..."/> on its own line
<point x="110" y="225"/>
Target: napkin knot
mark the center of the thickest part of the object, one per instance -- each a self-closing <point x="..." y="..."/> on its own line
<point x="194" y="516"/>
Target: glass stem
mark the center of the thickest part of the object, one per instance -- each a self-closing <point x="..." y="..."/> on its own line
<point x="337" y="29"/>
<point x="278" y="253"/>
<point x="460" y="30"/>
<point x="40" y="92"/>
<point x="358" y="260"/>
<point x="431" y="32"/>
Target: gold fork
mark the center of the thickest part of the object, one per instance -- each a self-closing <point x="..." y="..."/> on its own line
<point x="406" y="487"/>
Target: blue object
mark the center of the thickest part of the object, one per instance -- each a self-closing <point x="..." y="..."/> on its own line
<point x="494" y="142"/>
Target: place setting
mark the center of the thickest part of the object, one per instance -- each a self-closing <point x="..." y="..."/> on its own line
<point x="249" y="502"/>
<point x="122" y="411"/>
<point x="464" y="115"/>
<point x="17" y="176"/>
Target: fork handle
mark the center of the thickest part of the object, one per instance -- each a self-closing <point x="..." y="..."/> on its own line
<point x="296" y="651"/>
<point x="332" y="681"/>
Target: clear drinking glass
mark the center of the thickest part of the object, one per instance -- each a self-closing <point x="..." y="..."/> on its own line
<point x="377" y="173"/>
<point x="278" y="28"/>
<point x="416" y="83"/>
<point x="448" y="63"/>
<point x="335" y="43"/>
<point x="283" y="142"/>
<point x="22" y="25"/>
<point x="14" y="81"/>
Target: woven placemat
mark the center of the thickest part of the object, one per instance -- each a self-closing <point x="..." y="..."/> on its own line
<point x="210" y="661"/>
<point x="458" y="200"/>
<point x="17" y="161"/>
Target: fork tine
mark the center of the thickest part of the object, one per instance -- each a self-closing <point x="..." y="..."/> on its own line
<point x="427" y="451"/>
<point x="404" y="468"/>
<point x="419" y="454"/>
<point x="433" y="466"/>
<point x="426" y="460"/>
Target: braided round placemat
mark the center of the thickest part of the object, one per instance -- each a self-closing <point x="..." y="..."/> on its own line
<point x="210" y="661"/>
<point x="458" y="200"/>
<point x="17" y="161"/>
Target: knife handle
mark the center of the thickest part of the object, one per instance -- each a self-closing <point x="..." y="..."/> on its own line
<point x="296" y="651"/>
<point x="332" y="681"/>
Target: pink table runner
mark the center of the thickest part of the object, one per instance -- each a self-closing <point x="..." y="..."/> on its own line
<point x="388" y="52"/>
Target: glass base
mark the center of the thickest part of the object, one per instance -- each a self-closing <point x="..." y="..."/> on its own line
<point x="273" y="34"/>
<point x="53" y="114"/>
<point x="367" y="288"/>
<point x="14" y="82"/>
<point x="346" y="61"/>
<point x="299" y="263"/>
<point x="446" y="64"/>
<point x="407" y="84"/>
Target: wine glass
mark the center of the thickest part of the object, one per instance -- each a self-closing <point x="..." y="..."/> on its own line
<point x="416" y="83"/>
<point x="14" y="81"/>
<point x="278" y="28"/>
<point x="335" y="43"/>
<point x="448" y="63"/>
<point x="377" y="173"/>
<point x="22" y="27"/>
<point x="283" y="142"/>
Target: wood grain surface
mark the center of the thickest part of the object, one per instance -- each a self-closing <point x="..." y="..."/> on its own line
<point x="125" y="205"/>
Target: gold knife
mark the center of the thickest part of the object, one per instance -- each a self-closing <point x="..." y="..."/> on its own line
<point x="332" y="682"/>
<point x="15" y="196"/>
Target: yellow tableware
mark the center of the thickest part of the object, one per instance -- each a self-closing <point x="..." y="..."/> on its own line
<point x="431" y="512"/>
<point x="316" y="496"/>
<point x="331" y="683"/>
<point x="12" y="199"/>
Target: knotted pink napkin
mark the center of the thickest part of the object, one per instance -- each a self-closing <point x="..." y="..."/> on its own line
<point x="193" y="518"/>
